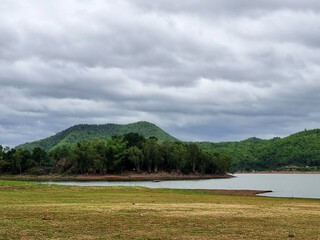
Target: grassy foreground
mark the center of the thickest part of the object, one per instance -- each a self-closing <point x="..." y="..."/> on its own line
<point x="34" y="211"/>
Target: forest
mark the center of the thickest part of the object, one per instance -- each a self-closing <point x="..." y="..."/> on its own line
<point x="131" y="152"/>
<point x="144" y="146"/>
<point x="299" y="152"/>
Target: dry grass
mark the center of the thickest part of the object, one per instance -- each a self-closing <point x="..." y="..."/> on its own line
<point x="60" y="212"/>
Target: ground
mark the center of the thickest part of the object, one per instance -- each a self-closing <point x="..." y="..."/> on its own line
<point x="35" y="211"/>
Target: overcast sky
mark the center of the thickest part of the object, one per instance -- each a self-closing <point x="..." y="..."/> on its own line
<point x="200" y="69"/>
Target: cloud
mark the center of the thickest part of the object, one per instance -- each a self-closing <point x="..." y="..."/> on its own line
<point x="203" y="70"/>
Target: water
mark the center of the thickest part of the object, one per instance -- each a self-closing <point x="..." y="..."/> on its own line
<point x="282" y="185"/>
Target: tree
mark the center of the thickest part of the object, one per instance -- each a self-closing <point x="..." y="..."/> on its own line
<point x="62" y="157"/>
<point x="99" y="155"/>
<point x="204" y="161"/>
<point x="115" y="153"/>
<point x="224" y="163"/>
<point x="165" y="149"/>
<point x="152" y="154"/>
<point x="40" y="156"/>
<point x="134" y="155"/>
<point x="20" y="160"/>
<point x="219" y="163"/>
<point x="1" y="152"/>
<point x="83" y="157"/>
<point x="178" y="156"/>
<point x="4" y="165"/>
<point x="134" y="140"/>
<point x="193" y="153"/>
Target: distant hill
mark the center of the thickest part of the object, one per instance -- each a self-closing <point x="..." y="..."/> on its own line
<point x="81" y="132"/>
<point x="297" y="150"/>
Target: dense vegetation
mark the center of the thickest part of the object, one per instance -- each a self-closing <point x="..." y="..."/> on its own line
<point x="114" y="155"/>
<point x="300" y="151"/>
<point x="79" y="133"/>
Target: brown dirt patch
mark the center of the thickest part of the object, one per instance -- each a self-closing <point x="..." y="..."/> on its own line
<point x="235" y="192"/>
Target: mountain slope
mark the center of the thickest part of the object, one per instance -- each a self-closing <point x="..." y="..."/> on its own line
<point x="300" y="149"/>
<point x="81" y="132"/>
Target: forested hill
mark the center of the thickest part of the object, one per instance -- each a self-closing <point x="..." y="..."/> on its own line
<point x="81" y="132"/>
<point x="300" y="150"/>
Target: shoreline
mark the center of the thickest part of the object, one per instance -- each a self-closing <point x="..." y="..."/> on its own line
<point x="279" y="172"/>
<point x="235" y="192"/>
<point x="161" y="176"/>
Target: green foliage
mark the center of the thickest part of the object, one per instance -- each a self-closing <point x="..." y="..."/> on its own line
<point x="83" y="157"/>
<point x="135" y="156"/>
<point x="193" y="154"/>
<point x="1" y="152"/>
<point x="79" y="133"/>
<point x="40" y="156"/>
<point x="152" y="154"/>
<point x="116" y="150"/>
<point x="134" y="139"/>
<point x="301" y="149"/>
<point x="83" y="148"/>
<point x="178" y="156"/>
<point x="114" y="155"/>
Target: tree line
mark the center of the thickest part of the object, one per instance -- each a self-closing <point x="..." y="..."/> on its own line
<point x="300" y="151"/>
<point x="114" y="155"/>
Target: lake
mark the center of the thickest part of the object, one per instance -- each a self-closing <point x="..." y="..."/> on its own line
<point x="282" y="185"/>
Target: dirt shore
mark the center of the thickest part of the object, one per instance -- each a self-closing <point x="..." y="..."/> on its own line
<point x="280" y="172"/>
<point x="235" y="192"/>
<point x="128" y="176"/>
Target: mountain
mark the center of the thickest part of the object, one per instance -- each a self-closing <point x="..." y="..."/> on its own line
<point x="81" y="132"/>
<point x="297" y="150"/>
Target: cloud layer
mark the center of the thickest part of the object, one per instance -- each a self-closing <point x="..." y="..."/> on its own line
<point x="203" y="70"/>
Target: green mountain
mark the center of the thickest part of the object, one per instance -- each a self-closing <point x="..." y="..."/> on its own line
<point x="81" y="132"/>
<point x="300" y="150"/>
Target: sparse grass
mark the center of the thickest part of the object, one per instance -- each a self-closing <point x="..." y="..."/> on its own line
<point x="35" y="211"/>
<point x="16" y="183"/>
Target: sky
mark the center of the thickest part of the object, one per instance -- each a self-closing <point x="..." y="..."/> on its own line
<point x="211" y="70"/>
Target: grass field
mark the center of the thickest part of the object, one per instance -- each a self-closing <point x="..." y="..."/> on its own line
<point x="35" y="211"/>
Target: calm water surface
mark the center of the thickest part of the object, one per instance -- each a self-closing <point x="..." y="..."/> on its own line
<point x="282" y="185"/>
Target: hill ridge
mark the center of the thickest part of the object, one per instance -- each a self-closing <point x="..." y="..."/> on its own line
<point x="80" y="132"/>
<point x="300" y="148"/>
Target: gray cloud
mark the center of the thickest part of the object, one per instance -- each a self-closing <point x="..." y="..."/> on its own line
<point x="203" y="70"/>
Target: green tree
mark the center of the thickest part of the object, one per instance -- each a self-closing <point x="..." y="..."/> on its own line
<point x="4" y="164"/>
<point x="62" y="157"/>
<point x="165" y="149"/>
<point x="204" y="161"/>
<point x="115" y="154"/>
<point x="83" y="157"/>
<point x="99" y="155"/>
<point x="134" y="140"/>
<point x="1" y="152"/>
<point x="193" y="153"/>
<point x="20" y="160"/>
<point x="152" y="154"/>
<point x="134" y="155"/>
<point x="40" y="156"/>
<point x="178" y="156"/>
<point x="220" y="163"/>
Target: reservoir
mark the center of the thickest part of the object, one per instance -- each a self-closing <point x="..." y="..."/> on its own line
<point x="281" y="185"/>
